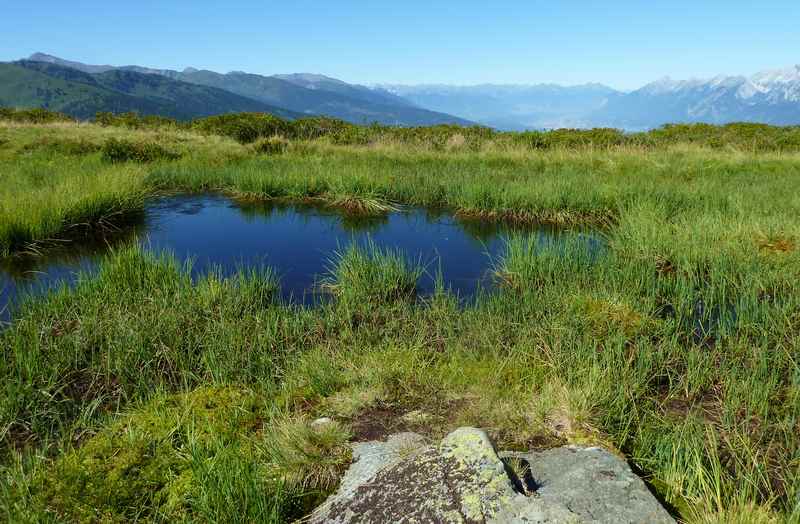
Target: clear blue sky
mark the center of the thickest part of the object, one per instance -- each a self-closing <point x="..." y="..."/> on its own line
<point x="620" y="43"/>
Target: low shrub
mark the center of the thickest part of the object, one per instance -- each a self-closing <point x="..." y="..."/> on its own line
<point x="244" y="127"/>
<point x="352" y="136"/>
<point x="117" y="150"/>
<point x="572" y="138"/>
<point x="247" y="128"/>
<point x="317" y="127"/>
<point x="62" y="146"/>
<point x="440" y="137"/>
<point x="33" y="116"/>
<point x="274" y="145"/>
<point x="746" y="136"/>
<point x="132" y="120"/>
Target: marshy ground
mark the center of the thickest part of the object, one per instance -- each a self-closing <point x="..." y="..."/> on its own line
<point x="144" y="393"/>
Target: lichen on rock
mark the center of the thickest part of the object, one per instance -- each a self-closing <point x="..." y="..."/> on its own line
<point x="463" y="479"/>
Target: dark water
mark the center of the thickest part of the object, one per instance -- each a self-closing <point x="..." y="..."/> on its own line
<point x="298" y="242"/>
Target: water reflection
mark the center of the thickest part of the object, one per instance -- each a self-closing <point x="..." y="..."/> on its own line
<point x="297" y="240"/>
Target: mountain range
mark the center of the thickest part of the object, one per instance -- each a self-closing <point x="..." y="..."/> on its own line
<point x="770" y="97"/>
<point x="40" y="84"/>
<point x="42" y="80"/>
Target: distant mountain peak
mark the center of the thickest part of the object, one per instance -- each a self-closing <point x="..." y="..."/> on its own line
<point x="51" y="59"/>
<point x="668" y="85"/>
<point x="760" y="82"/>
<point x="43" y="57"/>
<point x="308" y="78"/>
<point x="665" y="84"/>
<point x="778" y="76"/>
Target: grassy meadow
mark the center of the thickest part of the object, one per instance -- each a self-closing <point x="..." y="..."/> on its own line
<point x="141" y="394"/>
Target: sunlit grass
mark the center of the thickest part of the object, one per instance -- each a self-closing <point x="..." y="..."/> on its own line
<point x="369" y="275"/>
<point x="600" y="187"/>
<point x="672" y="337"/>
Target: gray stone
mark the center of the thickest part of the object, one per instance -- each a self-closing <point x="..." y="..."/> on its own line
<point x="463" y="480"/>
<point x="594" y="484"/>
<point x="320" y="422"/>
<point x="369" y="458"/>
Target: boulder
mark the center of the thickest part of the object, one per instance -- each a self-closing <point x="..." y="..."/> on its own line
<point x="594" y="484"/>
<point x="462" y="479"/>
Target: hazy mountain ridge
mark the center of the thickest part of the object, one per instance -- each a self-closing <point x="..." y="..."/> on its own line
<point x="355" y="104"/>
<point x="304" y="94"/>
<point x="86" y="68"/>
<point x="75" y="92"/>
<point x="512" y="106"/>
<point x="324" y="83"/>
<point x="771" y="97"/>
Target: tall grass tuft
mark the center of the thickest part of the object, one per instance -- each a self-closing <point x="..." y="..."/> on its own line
<point x="371" y="275"/>
<point x="120" y="150"/>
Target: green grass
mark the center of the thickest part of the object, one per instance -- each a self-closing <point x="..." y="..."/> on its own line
<point x="56" y="183"/>
<point x="676" y="342"/>
<point x="577" y="186"/>
<point x="208" y="455"/>
<point x="363" y="277"/>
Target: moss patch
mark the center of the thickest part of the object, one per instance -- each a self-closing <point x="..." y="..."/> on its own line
<point x="605" y="317"/>
<point x="157" y="461"/>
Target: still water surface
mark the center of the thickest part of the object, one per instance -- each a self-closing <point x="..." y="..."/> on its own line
<point x="299" y="242"/>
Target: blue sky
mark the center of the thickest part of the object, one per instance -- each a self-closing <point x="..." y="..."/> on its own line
<point x="620" y="43"/>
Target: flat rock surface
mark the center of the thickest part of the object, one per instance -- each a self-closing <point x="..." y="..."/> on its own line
<point x="594" y="484"/>
<point x="463" y="480"/>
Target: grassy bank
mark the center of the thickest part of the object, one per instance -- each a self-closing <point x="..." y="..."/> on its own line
<point x="59" y="176"/>
<point x="677" y="345"/>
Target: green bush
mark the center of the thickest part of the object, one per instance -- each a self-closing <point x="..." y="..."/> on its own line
<point x="247" y="128"/>
<point x="132" y="120"/>
<point x="117" y="150"/>
<point x="243" y="127"/>
<point x="572" y="138"/>
<point x="351" y="136"/>
<point x="440" y="137"/>
<point x="62" y="146"/>
<point x="317" y="127"/>
<point x="745" y="136"/>
<point x="274" y="145"/>
<point x="33" y="116"/>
